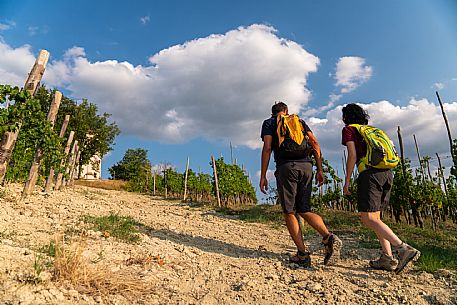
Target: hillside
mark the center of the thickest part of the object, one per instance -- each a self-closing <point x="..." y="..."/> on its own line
<point x="50" y="253"/>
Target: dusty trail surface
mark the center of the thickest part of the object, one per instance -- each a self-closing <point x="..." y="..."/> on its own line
<point x="187" y="255"/>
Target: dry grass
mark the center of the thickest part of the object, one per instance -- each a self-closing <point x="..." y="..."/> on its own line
<point x="117" y="185"/>
<point x="70" y="266"/>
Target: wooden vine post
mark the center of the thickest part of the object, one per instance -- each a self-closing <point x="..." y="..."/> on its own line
<point x="75" y="168"/>
<point x="71" y="165"/>
<point x="416" y="216"/>
<point x="39" y="153"/>
<point x="50" y="179"/>
<point x="9" y="138"/>
<point x="420" y="160"/>
<point x="441" y="174"/>
<point x="447" y="125"/>
<point x="62" y="163"/>
<point x="216" y="182"/>
<point x="185" y="179"/>
<point x="154" y="177"/>
<point x="165" y="182"/>
<point x="402" y="152"/>
<point x="424" y="179"/>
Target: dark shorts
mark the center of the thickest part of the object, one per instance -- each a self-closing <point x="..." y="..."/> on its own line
<point x="294" y="183"/>
<point x="373" y="189"/>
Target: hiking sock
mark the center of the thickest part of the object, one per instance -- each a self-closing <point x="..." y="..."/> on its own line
<point x="300" y="253"/>
<point x="325" y="238"/>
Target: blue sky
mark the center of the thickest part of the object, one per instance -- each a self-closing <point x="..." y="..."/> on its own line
<point x="184" y="78"/>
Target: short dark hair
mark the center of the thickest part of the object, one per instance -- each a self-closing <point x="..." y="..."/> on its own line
<point x="354" y="114"/>
<point x="278" y="107"/>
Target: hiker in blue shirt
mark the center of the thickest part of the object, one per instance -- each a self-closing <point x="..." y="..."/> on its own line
<point x="294" y="175"/>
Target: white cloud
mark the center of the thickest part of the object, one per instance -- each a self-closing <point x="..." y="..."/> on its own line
<point x="33" y="30"/>
<point x="74" y="52"/>
<point x="219" y="87"/>
<point x="351" y="72"/>
<point x="15" y="63"/>
<point x="312" y="111"/>
<point x="159" y="168"/>
<point x="145" y="19"/>
<point x="438" y="86"/>
<point x="270" y="175"/>
<point x="7" y="25"/>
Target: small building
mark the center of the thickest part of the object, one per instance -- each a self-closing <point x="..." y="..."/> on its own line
<point x="93" y="170"/>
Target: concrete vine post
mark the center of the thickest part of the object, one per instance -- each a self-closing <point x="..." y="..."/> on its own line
<point x="9" y="138"/>
<point x="39" y="153"/>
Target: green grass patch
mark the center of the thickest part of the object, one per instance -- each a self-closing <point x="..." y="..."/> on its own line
<point x="434" y="258"/>
<point x="49" y="249"/>
<point x="121" y="227"/>
<point x="7" y="235"/>
<point x="263" y="213"/>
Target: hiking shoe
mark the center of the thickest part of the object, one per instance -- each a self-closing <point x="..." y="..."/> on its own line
<point x="384" y="262"/>
<point x="303" y="259"/>
<point x="332" y="248"/>
<point x="405" y="254"/>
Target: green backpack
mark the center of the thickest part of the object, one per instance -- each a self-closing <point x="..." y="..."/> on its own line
<point x="380" y="149"/>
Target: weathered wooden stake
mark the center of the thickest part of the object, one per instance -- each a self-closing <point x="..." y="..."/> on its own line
<point x="440" y="169"/>
<point x="154" y="177"/>
<point x="165" y="181"/>
<point x="428" y="170"/>
<point x="344" y="168"/>
<point x="9" y="138"/>
<point x="75" y="167"/>
<point x="403" y="169"/>
<point x="66" y="151"/>
<point x="424" y="180"/>
<point x="74" y="154"/>
<point x="216" y="181"/>
<point x="402" y="152"/>
<point x="148" y="174"/>
<point x="50" y="179"/>
<point x="39" y="153"/>
<point x="447" y="125"/>
<point x="420" y="160"/>
<point x="185" y="179"/>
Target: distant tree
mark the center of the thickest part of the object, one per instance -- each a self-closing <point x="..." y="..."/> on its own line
<point x="134" y="162"/>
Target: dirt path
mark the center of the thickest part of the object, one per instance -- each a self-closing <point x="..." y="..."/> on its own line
<point x="198" y="257"/>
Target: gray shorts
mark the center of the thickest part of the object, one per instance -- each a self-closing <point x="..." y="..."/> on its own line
<point x="294" y="183"/>
<point x="373" y="189"/>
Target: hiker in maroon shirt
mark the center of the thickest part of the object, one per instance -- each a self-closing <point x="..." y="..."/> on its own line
<point x="373" y="192"/>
